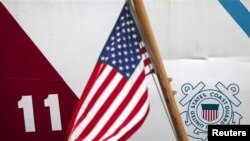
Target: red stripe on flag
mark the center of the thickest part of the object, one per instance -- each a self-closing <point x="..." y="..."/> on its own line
<point x="136" y="127"/>
<point x="103" y="109"/>
<point x="97" y="95"/>
<point x="147" y="62"/>
<point x="203" y="116"/>
<point x="121" y="107"/>
<point x="209" y="115"/>
<point x="131" y="115"/>
<point x="97" y="70"/>
<point x="143" y="50"/>
<point x="206" y="115"/>
<point x="214" y="114"/>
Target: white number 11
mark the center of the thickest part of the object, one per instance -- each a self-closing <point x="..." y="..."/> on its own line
<point x="51" y="101"/>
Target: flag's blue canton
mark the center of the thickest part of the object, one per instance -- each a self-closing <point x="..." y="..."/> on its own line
<point x="122" y="49"/>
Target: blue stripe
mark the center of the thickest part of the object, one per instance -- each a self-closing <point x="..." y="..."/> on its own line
<point x="239" y="13"/>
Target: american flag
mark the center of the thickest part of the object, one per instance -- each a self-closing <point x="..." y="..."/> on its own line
<point x="115" y="102"/>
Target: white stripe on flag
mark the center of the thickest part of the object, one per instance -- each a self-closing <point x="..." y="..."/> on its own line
<point x="116" y="103"/>
<point x="96" y="107"/>
<point x="93" y="90"/>
<point x="132" y="122"/>
<point x="122" y="117"/>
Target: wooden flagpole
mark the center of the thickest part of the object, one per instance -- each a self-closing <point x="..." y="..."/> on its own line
<point x="162" y="75"/>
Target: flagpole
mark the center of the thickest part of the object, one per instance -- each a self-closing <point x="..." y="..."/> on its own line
<point x="161" y="72"/>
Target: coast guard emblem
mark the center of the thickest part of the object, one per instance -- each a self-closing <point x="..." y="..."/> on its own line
<point x="209" y="106"/>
